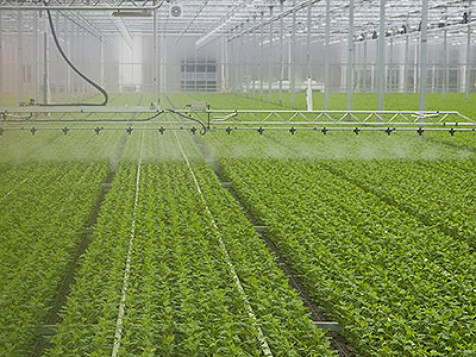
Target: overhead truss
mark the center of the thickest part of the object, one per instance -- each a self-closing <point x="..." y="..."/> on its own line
<point x="81" y="5"/>
<point x="213" y="20"/>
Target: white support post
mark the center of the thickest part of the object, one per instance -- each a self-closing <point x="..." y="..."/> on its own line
<point x="350" y="55"/>
<point x="261" y="61"/>
<point x="224" y="65"/>
<point x="444" y="86"/>
<point x="270" y="64"/>
<point x="46" y="63"/>
<point x="246" y="64"/>
<point x="423" y="56"/>
<point x="68" y="48"/>
<point x="1" y="59"/>
<point x="163" y="69"/>
<point x="292" y="64"/>
<point x="20" y="59"/>
<point x="239" y="63"/>
<point x="373" y="86"/>
<point x="405" y="65"/>
<point x="380" y="79"/>
<point x="390" y="68"/>
<point x="308" y="42"/>
<point x="154" y="58"/>
<point x="71" y="78"/>
<point x="327" y="59"/>
<point x="81" y="36"/>
<point x="84" y="65"/>
<point x="64" y="79"/>
<point x="467" y="78"/>
<point x="308" y="58"/>
<point x="281" y="55"/>
<point x="101" y="60"/>
<point x="365" y="76"/>
<point x="232" y="67"/>
<point x="35" y="72"/>
<point x="309" y="94"/>
<point x="357" y="68"/>
<point x="415" y="68"/>
<point x="254" y="59"/>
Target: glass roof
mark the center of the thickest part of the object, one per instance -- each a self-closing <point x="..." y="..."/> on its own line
<point x="211" y="20"/>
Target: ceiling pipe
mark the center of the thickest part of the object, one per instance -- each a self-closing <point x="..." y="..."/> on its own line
<point x="192" y="21"/>
<point x="83" y="8"/>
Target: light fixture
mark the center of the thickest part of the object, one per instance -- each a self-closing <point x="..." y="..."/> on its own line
<point x="141" y="13"/>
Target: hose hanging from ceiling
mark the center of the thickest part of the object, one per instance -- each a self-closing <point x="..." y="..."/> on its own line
<point x="75" y="69"/>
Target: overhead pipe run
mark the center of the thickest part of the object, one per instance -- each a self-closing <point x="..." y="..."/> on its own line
<point x="133" y="9"/>
<point x="122" y="13"/>
<point x="192" y="21"/>
<point x="285" y="13"/>
<point x="203" y="40"/>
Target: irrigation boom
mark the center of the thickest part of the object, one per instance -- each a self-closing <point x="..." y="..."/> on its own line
<point x="153" y="117"/>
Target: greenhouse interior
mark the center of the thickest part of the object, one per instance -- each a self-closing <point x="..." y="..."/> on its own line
<point x="237" y="178"/>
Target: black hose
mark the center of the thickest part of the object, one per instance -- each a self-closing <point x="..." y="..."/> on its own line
<point x="49" y="121"/>
<point x="75" y="69"/>
<point x="204" y="128"/>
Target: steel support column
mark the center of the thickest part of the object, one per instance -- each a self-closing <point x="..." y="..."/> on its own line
<point x="254" y="59"/>
<point x="364" y="79"/>
<point x="101" y="59"/>
<point x="46" y="63"/>
<point x="162" y="69"/>
<point x="246" y="64"/>
<point x="20" y="60"/>
<point x="381" y="56"/>
<point x="69" y="45"/>
<point x="270" y="65"/>
<point x="467" y="79"/>
<point x="423" y="55"/>
<point x="261" y="61"/>
<point x="405" y="65"/>
<point x="1" y="59"/>
<point x="327" y="59"/>
<point x="415" y="68"/>
<point x="36" y="71"/>
<point x="240" y="64"/>
<point x="350" y="55"/>
<point x="154" y="58"/>
<point x="390" y="68"/>
<point x="444" y="86"/>
<point x="64" y="79"/>
<point x="232" y="64"/>
<point x="281" y="55"/>
<point x="292" y="79"/>
<point x="82" y="65"/>
<point x="308" y="42"/>
<point x="224" y="65"/>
